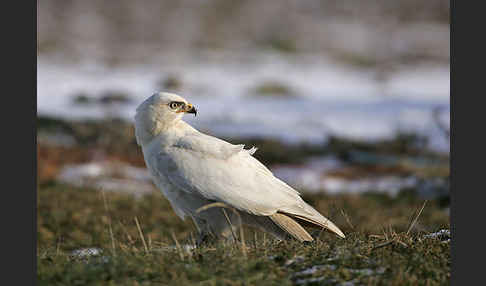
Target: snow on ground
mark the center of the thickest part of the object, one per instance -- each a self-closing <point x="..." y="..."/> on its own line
<point x="86" y="252"/>
<point x="110" y="176"/>
<point x="443" y="235"/>
<point x="315" y="176"/>
<point x="329" y="98"/>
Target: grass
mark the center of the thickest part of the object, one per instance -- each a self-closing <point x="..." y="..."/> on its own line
<point x="142" y="243"/>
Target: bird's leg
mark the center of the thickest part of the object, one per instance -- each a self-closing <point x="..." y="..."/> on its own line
<point x="216" y="226"/>
<point x="205" y="235"/>
<point x="203" y="239"/>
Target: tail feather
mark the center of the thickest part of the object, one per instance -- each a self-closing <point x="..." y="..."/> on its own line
<point x="291" y="227"/>
<point x="307" y="213"/>
<point x="321" y="222"/>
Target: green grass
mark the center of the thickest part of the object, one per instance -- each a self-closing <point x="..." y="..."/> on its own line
<point x="377" y="250"/>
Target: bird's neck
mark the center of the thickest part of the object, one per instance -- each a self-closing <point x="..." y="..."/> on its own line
<point x="165" y="135"/>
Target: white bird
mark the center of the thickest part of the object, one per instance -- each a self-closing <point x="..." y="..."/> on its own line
<point x="193" y="169"/>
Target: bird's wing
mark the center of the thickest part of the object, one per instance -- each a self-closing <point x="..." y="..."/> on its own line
<point x="220" y="171"/>
<point x="220" y="149"/>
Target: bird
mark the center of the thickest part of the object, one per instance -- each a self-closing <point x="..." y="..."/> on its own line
<point x="194" y="170"/>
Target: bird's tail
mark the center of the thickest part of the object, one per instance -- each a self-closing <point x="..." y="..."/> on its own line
<point x="290" y="226"/>
<point x="311" y="217"/>
<point x="319" y="222"/>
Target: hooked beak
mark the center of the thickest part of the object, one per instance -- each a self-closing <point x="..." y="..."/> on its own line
<point x="189" y="108"/>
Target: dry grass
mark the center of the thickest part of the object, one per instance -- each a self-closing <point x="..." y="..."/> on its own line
<point x="384" y="244"/>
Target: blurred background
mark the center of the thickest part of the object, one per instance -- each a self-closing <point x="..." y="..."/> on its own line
<point x="339" y="96"/>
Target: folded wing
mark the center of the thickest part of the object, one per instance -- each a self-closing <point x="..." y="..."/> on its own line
<point x="220" y="171"/>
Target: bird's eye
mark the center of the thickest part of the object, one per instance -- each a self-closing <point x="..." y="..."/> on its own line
<point x="173" y="105"/>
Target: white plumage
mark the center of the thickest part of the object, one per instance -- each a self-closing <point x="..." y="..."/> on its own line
<point x="193" y="169"/>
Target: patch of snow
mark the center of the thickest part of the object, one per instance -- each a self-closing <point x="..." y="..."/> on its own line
<point x="314" y="269"/>
<point x="87" y="252"/>
<point x="368" y="271"/>
<point x="348" y="283"/>
<point x="312" y="177"/>
<point x="330" y="99"/>
<point x="108" y="176"/>
<point x="185" y="247"/>
<point x="383" y="184"/>
<point x="313" y="280"/>
<point x="73" y="172"/>
<point x="84" y="254"/>
<point x="411" y="83"/>
<point x="443" y="235"/>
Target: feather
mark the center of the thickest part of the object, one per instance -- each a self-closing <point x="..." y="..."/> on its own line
<point x="314" y="220"/>
<point x="291" y="227"/>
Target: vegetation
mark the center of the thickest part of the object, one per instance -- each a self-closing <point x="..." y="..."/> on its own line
<point x="381" y="247"/>
<point x="273" y="88"/>
<point x="138" y="240"/>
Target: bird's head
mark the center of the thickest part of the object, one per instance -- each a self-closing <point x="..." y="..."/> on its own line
<point x="158" y="112"/>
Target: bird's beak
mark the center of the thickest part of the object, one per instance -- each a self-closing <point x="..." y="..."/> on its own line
<point x="189" y="108"/>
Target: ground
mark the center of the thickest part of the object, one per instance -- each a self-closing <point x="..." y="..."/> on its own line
<point x="93" y="236"/>
<point x="379" y="248"/>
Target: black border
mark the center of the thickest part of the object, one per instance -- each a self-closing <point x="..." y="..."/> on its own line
<point x="467" y="172"/>
<point x="19" y="112"/>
